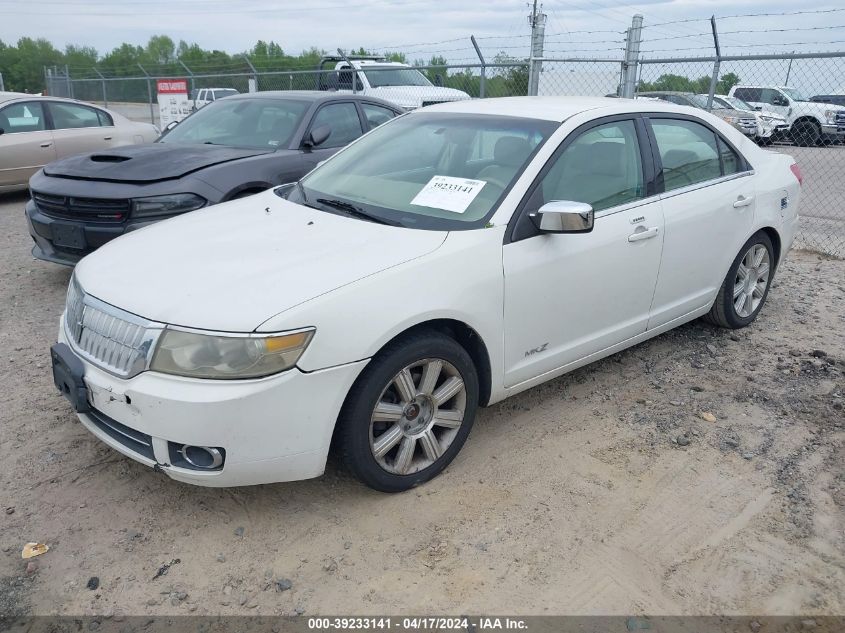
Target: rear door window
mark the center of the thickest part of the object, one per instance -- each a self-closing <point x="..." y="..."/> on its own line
<point x="68" y="116"/>
<point x="343" y="120"/>
<point x="690" y="153"/>
<point x="748" y="94"/>
<point x="376" y="114"/>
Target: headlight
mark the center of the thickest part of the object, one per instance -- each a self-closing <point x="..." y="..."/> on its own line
<point x="830" y="116"/>
<point x="767" y="119"/>
<point x="166" y="205"/>
<point x="731" y="119"/>
<point x="215" y="356"/>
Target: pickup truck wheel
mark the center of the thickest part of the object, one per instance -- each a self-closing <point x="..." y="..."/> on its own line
<point x="746" y="285"/>
<point x="806" y="134"/>
<point x="409" y="413"/>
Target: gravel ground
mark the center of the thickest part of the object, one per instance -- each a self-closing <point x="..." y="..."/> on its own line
<point x="702" y="472"/>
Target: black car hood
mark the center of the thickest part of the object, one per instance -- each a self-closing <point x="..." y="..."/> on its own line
<point x="147" y="163"/>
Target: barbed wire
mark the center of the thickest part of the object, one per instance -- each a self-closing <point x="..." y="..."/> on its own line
<point x="743" y="15"/>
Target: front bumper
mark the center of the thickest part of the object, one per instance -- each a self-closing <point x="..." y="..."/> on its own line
<point x="768" y="130"/>
<point x="833" y="131"/>
<point x="271" y="429"/>
<point x="91" y="235"/>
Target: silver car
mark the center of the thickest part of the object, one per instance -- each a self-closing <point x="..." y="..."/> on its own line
<point x="36" y="130"/>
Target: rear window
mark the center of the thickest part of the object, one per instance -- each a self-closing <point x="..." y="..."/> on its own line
<point x="748" y="94"/>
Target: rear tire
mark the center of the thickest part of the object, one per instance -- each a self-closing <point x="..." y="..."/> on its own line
<point x="746" y="286"/>
<point x="409" y="412"/>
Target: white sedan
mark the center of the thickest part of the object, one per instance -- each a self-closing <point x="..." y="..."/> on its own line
<point x="450" y="258"/>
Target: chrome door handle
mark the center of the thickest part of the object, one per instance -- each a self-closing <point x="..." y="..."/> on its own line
<point x="743" y="201"/>
<point x="47" y="144"/>
<point x="646" y="234"/>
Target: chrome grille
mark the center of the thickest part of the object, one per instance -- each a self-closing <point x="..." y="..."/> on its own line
<point x="110" y="338"/>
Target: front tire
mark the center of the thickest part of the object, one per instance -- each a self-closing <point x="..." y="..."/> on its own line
<point x="409" y="413"/>
<point x="746" y="286"/>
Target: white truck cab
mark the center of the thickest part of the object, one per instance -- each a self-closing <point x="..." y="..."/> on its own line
<point x="203" y="96"/>
<point x="810" y="123"/>
<point x="373" y="76"/>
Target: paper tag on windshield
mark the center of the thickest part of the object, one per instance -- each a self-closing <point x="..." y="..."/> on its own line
<point x="449" y="194"/>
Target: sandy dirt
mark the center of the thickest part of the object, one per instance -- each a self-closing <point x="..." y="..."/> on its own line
<point x="603" y="492"/>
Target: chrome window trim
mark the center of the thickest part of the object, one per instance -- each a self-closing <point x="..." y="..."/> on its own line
<point x="671" y="194"/>
<point x="705" y="183"/>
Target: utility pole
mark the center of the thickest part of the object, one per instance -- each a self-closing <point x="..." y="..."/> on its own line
<point x="632" y="56"/>
<point x="537" y="21"/>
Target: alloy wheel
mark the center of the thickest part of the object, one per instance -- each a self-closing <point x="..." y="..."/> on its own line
<point x="752" y="279"/>
<point x="417" y="416"/>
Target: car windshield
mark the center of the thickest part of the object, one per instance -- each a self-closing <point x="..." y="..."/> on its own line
<point x="701" y="102"/>
<point x="793" y="94"/>
<point x="380" y="77"/>
<point x="264" y="123"/>
<point x="439" y="171"/>
<point x="738" y="104"/>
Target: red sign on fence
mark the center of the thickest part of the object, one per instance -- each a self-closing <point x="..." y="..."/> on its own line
<point x="171" y="86"/>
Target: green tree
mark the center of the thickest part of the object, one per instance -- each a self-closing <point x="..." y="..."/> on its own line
<point x="727" y="81"/>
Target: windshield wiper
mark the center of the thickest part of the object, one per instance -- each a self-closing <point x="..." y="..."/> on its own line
<point x="358" y="212"/>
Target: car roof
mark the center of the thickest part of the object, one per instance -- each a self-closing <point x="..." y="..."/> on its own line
<point x="24" y="96"/>
<point x="552" y="108"/>
<point x="306" y="95"/>
<point x="9" y="96"/>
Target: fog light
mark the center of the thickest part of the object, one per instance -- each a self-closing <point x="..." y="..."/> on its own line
<point x="202" y="457"/>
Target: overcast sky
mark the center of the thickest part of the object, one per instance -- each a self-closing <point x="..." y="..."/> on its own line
<point x="417" y="27"/>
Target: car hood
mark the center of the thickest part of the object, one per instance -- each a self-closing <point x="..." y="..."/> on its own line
<point x="413" y="96"/>
<point x="815" y="106"/>
<point x="739" y="114"/>
<point x="234" y="265"/>
<point x="147" y="163"/>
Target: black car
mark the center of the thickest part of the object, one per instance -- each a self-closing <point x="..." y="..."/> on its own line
<point x="833" y="99"/>
<point x="229" y="149"/>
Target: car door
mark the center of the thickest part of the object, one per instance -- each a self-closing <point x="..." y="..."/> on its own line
<point x="26" y="144"/>
<point x="708" y="205"/>
<point x="78" y="129"/>
<point x="568" y="296"/>
<point x="345" y="123"/>
<point x="776" y="101"/>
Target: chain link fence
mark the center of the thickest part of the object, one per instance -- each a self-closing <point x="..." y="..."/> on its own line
<point x="808" y="132"/>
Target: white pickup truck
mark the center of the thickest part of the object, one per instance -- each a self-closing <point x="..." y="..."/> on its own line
<point x="203" y="96"/>
<point x="373" y="76"/>
<point x="810" y="123"/>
